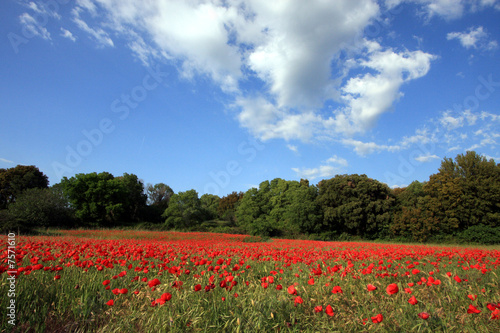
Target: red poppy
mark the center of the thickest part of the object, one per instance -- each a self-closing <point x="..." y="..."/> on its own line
<point x="371" y="287"/>
<point x="197" y="287"/>
<point x="423" y="315"/>
<point x="457" y="279"/>
<point x="318" y="308"/>
<point x="412" y="300"/>
<point x="472" y="297"/>
<point x="166" y="297"/>
<point x="279" y="287"/>
<point x="473" y="309"/>
<point x="264" y="285"/>
<point x="378" y="318"/>
<point x="311" y="281"/>
<point x="123" y="291"/>
<point x="57" y="277"/>
<point x="495" y="314"/>
<point x="291" y="290"/>
<point x="298" y="300"/>
<point x="153" y="283"/>
<point x="110" y="302"/>
<point x="337" y="290"/>
<point x="115" y="291"/>
<point x="329" y="310"/>
<point x="392" y="289"/>
<point x="106" y="282"/>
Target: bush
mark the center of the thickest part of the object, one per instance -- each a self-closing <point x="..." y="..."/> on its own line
<point x="480" y="234"/>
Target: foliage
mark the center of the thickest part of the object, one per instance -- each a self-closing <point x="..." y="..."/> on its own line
<point x="37" y="207"/>
<point x="480" y="234"/>
<point x="103" y="198"/>
<point x="15" y="180"/>
<point x="356" y="204"/>
<point x="184" y="211"/>
<point x="210" y="203"/>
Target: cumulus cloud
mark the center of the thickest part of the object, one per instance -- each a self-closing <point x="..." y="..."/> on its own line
<point x="476" y="38"/>
<point x="447" y="9"/>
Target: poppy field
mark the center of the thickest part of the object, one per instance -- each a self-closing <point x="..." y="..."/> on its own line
<point x="145" y="281"/>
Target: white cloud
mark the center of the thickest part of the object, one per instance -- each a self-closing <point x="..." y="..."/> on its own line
<point x="326" y="170"/>
<point x="6" y="161"/>
<point x="366" y="148"/>
<point x="101" y="36"/>
<point x="323" y="171"/>
<point x="33" y="27"/>
<point x="476" y="38"/>
<point x="337" y="160"/>
<point x="448" y="9"/>
<point x="427" y="158"/>
<point x="293" y="148"/>
<point x="67" y="34"/>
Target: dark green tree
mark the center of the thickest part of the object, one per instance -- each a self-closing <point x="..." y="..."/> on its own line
<point x="357" y="205"/>
<point x="40" y="208"/>
<point x="104" y="199"/>
<point x="15" y="180"/>
<point x="184" y="211"/>
<point x="210" y="203"/>
<point x="465" y="193"/>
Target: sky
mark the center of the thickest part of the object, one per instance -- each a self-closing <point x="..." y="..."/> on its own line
<point x="220" y="95"/>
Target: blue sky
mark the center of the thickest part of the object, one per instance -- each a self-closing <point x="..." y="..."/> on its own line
<point x="218" y="96"/>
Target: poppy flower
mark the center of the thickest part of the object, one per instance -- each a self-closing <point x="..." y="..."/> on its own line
<point x="495" y="314"/>
<point x="412" y="300"/>
<point x="115" y="291"/>
<point x="106" y="282"/>
<point x="223" y="299"/>
<point x="337" y="290"/>
<point x="291" y="290"/>
<point x="166" y="297"/>
<point x="318" y="308"/>
<point x="473" y="309"/>
<point x="423" y="315"/>
<point x="264" y="285"/>
<point x="197" y="287"/>
<point x="458" y="279"/>
<point x="329" y="310"/>
<point x="378" y="318"/>
<point x="472" y="297"/>
<point x="279" y="287"/>
<point x="392" y="289"/>
<point x="123" y="291"/>
<point x="371" y="287"/>
<point x="298" y="300"/>
<point x="110" y="302"/>
<point x="153" y="283"/>
<point x="311" y="281"/>
<point x="492" y="306"/>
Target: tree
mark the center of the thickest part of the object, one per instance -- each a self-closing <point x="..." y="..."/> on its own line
<point x="228" y="205"/>
<point x="465" y="192"/>
<point x="184" y="211"/>
<point x="159" y="195"/>
<point x="15" y="180"/>
<point x="40" y="208"/>
<point x="103" y="198"/>
<point x="356" y="204"/>
<point x="210" y="203"/>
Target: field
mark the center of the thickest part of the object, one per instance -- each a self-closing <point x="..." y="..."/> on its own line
<point x="131" y="281"/>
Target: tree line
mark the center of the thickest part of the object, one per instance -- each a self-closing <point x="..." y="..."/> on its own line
<point x="461" y="202"/>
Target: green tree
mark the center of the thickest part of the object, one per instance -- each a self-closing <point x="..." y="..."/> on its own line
<point x="228" y="205"/>
<point x="465" y="193"/>
<point x="357" y="205"/>
<point x="184" y="211"/>
<point x="39" y="208"/>
<point x="104" y="199"/>
<point x="210" y="203"/>
<point x="159" y="195"/>
<point x="15" y="180"/>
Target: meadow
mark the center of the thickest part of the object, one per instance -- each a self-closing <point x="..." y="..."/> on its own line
<point x="147" y="281"/>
